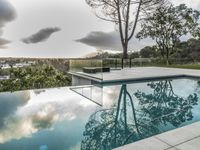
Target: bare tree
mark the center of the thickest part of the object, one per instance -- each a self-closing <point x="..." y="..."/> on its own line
<point x="125" y="14"/>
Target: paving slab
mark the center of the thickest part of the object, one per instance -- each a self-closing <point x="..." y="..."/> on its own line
<point x="184" y="138"/>
<point x="180" y="135"/>
<point x="147" y="72"/>
<point x="147" y="144"/>
<point x="190" y="145"/>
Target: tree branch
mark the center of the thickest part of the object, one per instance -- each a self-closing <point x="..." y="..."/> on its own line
<point x="136" y="20"/>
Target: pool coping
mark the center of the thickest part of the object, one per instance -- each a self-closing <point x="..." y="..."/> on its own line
<point x="97" y="80"/>
<point x="101" y="81"/>
<point x="150" y="78"/>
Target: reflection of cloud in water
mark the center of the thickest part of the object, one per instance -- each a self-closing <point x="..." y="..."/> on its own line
<point x="45" y="118"/>
<point x="9" y="103"/>
<point x="16" y="128"/>
<point x="110" y="95"/>
<point x="76" y="147"/>
<point x="41" y="112"/>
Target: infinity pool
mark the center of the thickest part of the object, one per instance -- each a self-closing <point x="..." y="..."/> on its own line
<point x="96" y="117"/>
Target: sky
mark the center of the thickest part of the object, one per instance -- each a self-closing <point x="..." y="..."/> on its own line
<point x="58" y="29"/>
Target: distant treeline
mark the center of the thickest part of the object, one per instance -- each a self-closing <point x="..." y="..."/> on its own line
<point x="185" y="50"/>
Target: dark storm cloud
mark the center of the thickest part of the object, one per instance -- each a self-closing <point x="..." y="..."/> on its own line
<point x="111" y="41"/>
<point x="41" y="36"/>
<point x="7" y="14"/>
<point x="3" y="43"/>
<point x="102" y="40"/>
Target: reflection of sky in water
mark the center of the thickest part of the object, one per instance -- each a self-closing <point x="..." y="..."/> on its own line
<point x="55" y="119"/>
<point x="43" y="147"/>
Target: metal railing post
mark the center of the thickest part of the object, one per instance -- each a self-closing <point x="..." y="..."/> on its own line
<point x="115" y="63"/>
<point x="130" y="63"/>
<point x="122" y="63"/>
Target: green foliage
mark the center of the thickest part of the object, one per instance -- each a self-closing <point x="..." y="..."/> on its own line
<point x="134" y="55"/>
<point x="149" y="52"/>
<point x="189" y="50"/>
<point x="28" y="78"/>
<point x="168" y="24"/>
<point x="4" y="72"/>
<point x="186" y="66"/>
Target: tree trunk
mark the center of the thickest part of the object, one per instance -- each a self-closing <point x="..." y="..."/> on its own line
<point x="167" y="57"/>
<point x="167" y="60"/>
<point x="125" y="51"/>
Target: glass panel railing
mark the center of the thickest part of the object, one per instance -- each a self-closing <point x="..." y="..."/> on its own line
<point x="90" y="69"/>
<point x="87" y="76"/>
<point x="77" y="65"/>
<point x="91" y="92"/>
<point x="112" y="63"/>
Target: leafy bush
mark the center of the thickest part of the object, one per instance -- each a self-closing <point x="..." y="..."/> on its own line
<point x="34" y="78"/>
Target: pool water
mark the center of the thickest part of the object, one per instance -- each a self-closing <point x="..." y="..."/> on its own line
<point x="98" y="117"/>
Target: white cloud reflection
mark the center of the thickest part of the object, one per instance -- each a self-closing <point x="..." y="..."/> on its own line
<point x="42" y="111"/>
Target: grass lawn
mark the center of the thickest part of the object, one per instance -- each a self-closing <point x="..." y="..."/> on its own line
<point x="186" y="66"/>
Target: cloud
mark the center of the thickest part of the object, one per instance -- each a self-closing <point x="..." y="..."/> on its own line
<point x="17" y="127"/>
<point x="24" y="113"/>
<point x="3" y="43"/>
<point x="76" y="147"/>
<point x="45" y="118"/>
<point x="111" y="41"/>
<point x="7" y="14"/>
<point x="9" y="104"/>
<point x="102" y="40"/>
<point x="190" y="3"/>
<point x="41" y="36"/>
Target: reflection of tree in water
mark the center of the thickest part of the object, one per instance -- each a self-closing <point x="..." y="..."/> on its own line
<point x="198" y="87"/>
<point x="164" y="102"/>
<point x="110" y="128"/>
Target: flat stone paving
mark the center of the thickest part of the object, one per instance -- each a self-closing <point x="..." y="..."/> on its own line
<point x="184" y="138"/>
<point x="141" y="73"/>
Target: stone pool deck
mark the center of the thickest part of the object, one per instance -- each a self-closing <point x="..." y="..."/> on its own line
<point x="184" y="138"/>
<point x="137" y="73"/>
